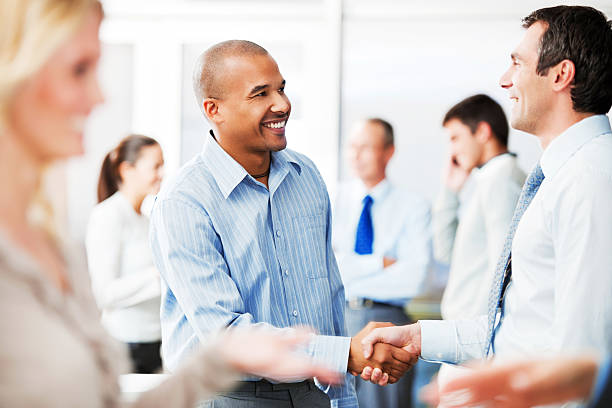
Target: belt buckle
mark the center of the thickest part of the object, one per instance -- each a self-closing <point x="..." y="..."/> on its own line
<point x="358" y="303"/>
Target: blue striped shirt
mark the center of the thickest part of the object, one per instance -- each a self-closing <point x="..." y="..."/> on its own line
<point x="232" y="252"/>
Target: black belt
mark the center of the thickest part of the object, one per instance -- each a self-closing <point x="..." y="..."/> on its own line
<point x="364" y="303"/>
<point x="267" y="386"/>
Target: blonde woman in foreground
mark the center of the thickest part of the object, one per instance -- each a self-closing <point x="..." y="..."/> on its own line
<point x="53" y="350"/>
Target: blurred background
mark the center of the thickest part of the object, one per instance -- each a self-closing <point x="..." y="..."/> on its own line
<point x="405" y="61"/>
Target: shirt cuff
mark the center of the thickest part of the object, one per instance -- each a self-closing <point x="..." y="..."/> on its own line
<point x="332" y="351"/>
<point x="603" y="375"/>
<point x="438" y="341"/>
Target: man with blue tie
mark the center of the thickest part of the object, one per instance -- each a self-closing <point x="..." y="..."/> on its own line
<point x="382" y="241"/>
<point x="552" y="290"/>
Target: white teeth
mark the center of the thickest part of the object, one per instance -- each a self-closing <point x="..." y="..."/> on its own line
<point x="276" y="125"/>
<point x="78" y="123"/>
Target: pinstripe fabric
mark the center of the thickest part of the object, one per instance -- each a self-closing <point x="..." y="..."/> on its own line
<point x="231" y="252"/>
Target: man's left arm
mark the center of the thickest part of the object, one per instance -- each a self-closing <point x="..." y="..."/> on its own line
<point x="581" y="227"/>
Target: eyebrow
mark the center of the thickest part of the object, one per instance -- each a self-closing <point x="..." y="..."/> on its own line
<point x="260" y="88"/>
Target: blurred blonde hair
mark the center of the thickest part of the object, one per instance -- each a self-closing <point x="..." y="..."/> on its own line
<point x="30" y="32"/>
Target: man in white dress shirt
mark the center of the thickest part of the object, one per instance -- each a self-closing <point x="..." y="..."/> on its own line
<point x="478" y="133"/>
<point x="382" y="241"/>
<point x="556" y="295"/>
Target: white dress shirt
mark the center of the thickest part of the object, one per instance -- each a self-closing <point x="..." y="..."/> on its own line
<point x="472" y="244"/>
<point x="560" y="296"/>
<point x="401" y="222"/>
<point x="125" y="282"/>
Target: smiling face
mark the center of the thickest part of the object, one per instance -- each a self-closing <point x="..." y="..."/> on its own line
<point x="254" y="109"/>
<point x="530" y="92"/>
<point x="49" y="110"/>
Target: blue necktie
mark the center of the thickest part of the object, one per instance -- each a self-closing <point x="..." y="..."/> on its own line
<point x="503" y="271"/>
<point x="365" y="230"/>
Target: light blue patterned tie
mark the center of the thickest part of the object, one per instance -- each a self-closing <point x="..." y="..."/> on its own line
<point x="503" y="265"/>
<point x="365" y="229"/>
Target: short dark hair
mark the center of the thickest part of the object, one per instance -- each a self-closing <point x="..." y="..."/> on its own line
<point x="211" y="64"/>
<point x="582" y="35"/>
<point x="480" y="108"/>
<point x="388" y="138"/>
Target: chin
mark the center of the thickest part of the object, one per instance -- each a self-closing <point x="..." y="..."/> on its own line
<point x="520" y="124"/>
<point x="279" y="146"/>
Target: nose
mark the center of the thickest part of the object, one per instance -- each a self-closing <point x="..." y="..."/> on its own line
<point x="506" y="79"/>
<point x="281" y="103"/>
<point x="95" y="93"/>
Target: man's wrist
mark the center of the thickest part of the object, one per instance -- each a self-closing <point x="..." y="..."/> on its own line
<point x="417" y="338"/>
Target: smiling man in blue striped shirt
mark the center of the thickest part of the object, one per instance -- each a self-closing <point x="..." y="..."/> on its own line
<point x="242" y="236"/>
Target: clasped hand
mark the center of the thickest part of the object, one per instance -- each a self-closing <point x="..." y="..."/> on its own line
<point x="398" y="346"/>
<point x="371" y="353"/>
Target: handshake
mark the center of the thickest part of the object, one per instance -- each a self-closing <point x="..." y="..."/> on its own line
<point x="382" y="353"/>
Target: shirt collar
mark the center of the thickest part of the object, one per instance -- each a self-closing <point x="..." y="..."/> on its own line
<point x="570" y="141"/>
<point x="228" y="173"/>
<point x="378" y="192"/>
<point x="494" y="162"/>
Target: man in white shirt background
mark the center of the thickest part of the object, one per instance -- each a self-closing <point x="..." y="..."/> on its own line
<point x="382" y="241"/>
<point x="552" y="291"/>
<point x="478" y="134"/>
<point x="471" y="244"/>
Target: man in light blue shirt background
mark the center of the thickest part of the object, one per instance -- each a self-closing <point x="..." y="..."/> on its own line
<point x="242" y="236"/>
<point x="382" y="241"/>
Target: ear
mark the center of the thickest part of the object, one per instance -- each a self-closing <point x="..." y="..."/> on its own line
<point x="211" y="110"/>
<point x="123" y="168"/>
<point x="563" y="75"/>
<point x="389" y="151"/>
<point x="483" y="132"/>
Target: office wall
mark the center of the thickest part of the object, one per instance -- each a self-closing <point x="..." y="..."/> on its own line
<point x="343" y="60"/>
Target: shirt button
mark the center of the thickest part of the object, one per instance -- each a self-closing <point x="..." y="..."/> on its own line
<point x="278" y="233"/>
<point x="295" y="313"/>
<point x="286" y="273"/>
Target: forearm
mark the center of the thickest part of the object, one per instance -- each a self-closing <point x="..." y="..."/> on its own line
<point x="206" y="373"/>
<point x="408" y="280"/>
<point x="453" y="341"/>
<point x="354" y="267"/>
<point x="129" y="290"/>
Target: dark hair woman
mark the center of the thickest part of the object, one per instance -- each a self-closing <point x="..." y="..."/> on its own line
<point x="124" y="280"/>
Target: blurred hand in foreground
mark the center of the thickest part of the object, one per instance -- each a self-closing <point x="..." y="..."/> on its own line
<point x="518" y="384"/>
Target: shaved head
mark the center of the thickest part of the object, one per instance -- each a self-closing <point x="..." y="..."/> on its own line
<point x="210" y="66"/>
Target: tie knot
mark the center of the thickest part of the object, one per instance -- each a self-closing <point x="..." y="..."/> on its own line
<point x="367" y="200"/>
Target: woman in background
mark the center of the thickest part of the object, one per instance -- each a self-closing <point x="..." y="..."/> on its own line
<point x="53" y="349"/>
<point x="124" y="280"/>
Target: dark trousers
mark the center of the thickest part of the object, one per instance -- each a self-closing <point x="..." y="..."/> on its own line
<point x="256" y="394"/>
<point x="146" y="358"/>
<point x="371" y="395"/>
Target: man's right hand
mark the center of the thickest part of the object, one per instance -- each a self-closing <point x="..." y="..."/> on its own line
<point x="407" y="337"/>
<point x="391" y="360"/>
<point x="454" y="175"/>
